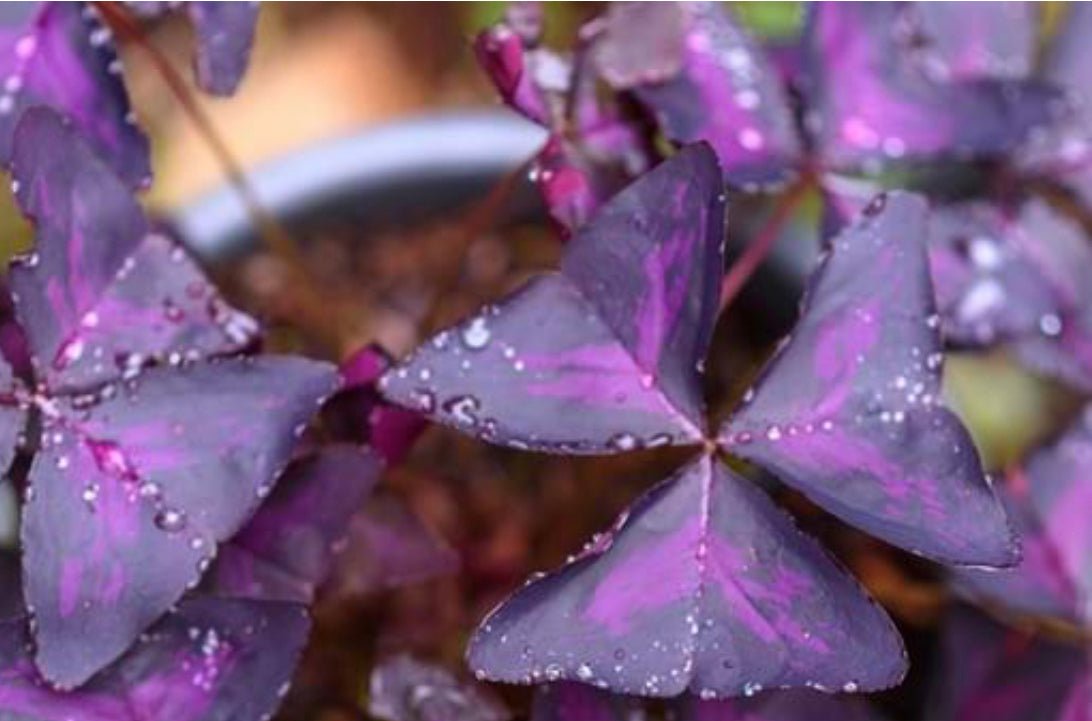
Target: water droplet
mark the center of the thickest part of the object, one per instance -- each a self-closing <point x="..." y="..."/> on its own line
<point x="623" y="441"/>
<point x="876" y="205"/>
<point x="463" y="409"/>
<point x="1050" y="324"/>
<point x="773" y="433"/>
<point x="170" y="520"/>
<point x="584" y="672"/>
<point x="476" y="334"/>
<point x="850" y="687"/>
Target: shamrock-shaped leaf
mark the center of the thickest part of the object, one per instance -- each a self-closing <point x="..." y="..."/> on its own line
<point x="795" y="705"/>
<point x="103" y="294"/>
<point x="287" y="549"/>
<point x="211" y="660"/>
<point x="869" y="104"/>
<point x="60" y="55"/>
<point x="140" y="472"/>
<point x="405" y="689"/>
<point x="704" y="79"/>
<point x="1049" y="495"/>
<point x="741" y="601"/>
<point x="849" y="410"/>
<point x="579" y="702"/>
<point x="990" y="673"/>
<point x="970" y="41"/>
<point x="603" y="355"/>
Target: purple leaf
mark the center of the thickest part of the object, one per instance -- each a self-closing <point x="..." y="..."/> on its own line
<point x="287" y="549"/>
<point x="225" y="33"/>
<point x="703" y="78"/>
<point x="387" y="547"/>
<point x="869" y="104"/>
<point x="740" y="601"/>
<point x="796" y="705"/>
<point x="968" y="41"/>
<point x="60" y="55"/>
<point x="404" y="689"/>
<point x="103" y="294"/>
<point x="212" y="660"/>
<point x="1050" y="494"/>
<point x="134" y="486"/>
<point x="579" y="702"/>
<point x="603" y="356"/>
<point x="849" y="410"/>
<point x="990" y="673"/>
<point x="1067" y="59"/>
<point x="1002" y="278"/>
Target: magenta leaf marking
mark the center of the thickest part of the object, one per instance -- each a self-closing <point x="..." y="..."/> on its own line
<point x="103" y="294"/>
<point x="704" y="78"/>
<point x="849" y="410"/>
<point x="585" y="361"/>
<point x="211" y="660"/>
<point x="870" y="104"/>
<point x="741" y="601"/>
<point x="148" y="479"/>
<point x="60" y="55"/>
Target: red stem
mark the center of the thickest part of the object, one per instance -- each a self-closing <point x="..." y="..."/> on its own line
<point x="761" y="245"/>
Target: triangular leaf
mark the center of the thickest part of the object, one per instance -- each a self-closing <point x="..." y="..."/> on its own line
<point x="849" y="410"/>
<point x="704" y="585"/>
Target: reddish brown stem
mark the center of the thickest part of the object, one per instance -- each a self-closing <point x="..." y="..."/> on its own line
<point x="761" y="245"/>
<point x="311" y="309"/>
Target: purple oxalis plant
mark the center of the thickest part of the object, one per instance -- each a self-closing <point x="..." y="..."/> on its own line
<point x="605" y="356"/>
<point x="153" y="444"/>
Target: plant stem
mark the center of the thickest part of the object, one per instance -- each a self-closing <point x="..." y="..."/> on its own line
<point x="312" y="309"/>
<point x="761" y="245"/>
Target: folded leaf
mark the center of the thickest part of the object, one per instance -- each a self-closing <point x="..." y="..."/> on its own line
<point x="849" y="410"/>
<point x="702" y="586"/>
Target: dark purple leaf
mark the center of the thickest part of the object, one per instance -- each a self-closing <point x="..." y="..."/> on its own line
<point x="579" y="702"/>
<point x="103" y="294"/>
<point x="1050" y="495"/>
<point x="388" y="547"/>
<point x="287" y="549"/>
<point x="849" y="410"/>
<point x="212" y="660"/>
<point x="869" y="104"/>
<point x="133" y="489"/>
<point x="704" y="585"/>
<point x="225" y="32"/>
<point x="61" y="55"/>
<point x="404" y="689"/>
<point x="1002" y="278"/>
<point x="602" y="356"/>
<point x="990" y="673"/>
<point x="969" y="41"/>
<point x="796" y="705"/>
<point x="703" y="78"/>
